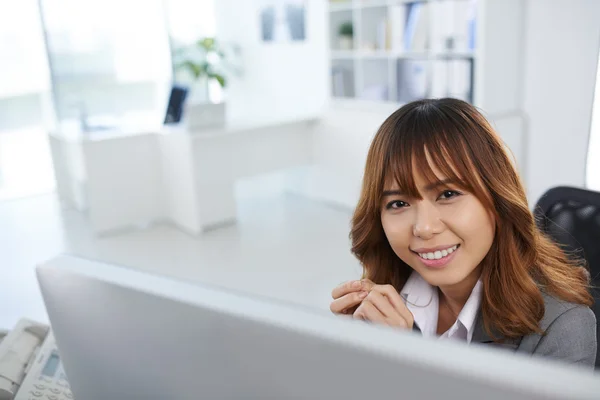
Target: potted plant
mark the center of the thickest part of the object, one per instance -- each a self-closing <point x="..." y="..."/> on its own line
<point x="346" y="36"/>
<point x="204" y="63"/>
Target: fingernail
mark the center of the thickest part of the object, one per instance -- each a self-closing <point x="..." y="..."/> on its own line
<point x="362" y="295"/>
<point x="356" y="285"/>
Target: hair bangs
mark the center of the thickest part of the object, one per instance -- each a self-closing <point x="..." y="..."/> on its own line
<point x="436" y="148"/>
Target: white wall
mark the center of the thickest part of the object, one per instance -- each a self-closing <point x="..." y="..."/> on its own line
<point x="281" y="81"/>
<point x="19" y="112"/>
<point x="562" y="40"/>
<point x="340" y="144"/>
<point x="499" y="53"/>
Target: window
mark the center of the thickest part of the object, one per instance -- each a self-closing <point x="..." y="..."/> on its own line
<point x="593" y="159"/>
<point x="106" y="57"/>
<point x="23" y="64"/>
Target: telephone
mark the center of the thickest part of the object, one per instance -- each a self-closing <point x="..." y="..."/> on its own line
<point x="30" y="366"/>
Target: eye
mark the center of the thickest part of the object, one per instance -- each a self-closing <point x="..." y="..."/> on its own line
<point x="396" y="205"/>
<point x="449" y="194"/>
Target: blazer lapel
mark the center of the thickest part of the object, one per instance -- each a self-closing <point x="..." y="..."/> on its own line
<point x="481" y="336"/>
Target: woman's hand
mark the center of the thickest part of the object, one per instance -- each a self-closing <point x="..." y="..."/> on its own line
<point x="383" y="305"/>
<point x="348" y="295"/>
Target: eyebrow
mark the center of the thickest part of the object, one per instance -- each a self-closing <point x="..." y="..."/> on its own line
<point x="427" y="188"/>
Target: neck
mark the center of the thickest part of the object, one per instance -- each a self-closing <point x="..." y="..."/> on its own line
<point x="456" y="296"/>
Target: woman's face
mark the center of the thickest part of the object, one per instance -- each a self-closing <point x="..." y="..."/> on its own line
<point x="444" y="236"/>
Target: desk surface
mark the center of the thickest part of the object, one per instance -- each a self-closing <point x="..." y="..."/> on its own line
<point x="70" y="130"/>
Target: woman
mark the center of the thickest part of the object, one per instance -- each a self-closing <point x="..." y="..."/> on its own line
<point x="450" y="248"/>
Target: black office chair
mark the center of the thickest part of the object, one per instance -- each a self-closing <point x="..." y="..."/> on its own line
<point x="571" y="217"/>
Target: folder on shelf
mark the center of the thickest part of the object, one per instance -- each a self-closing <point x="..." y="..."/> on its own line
<point x="439" y="79"/>
<point x="382" y="35"/>
<point x="442" y="26"/>
<point x="453" y="26"/>
<point x="460" y="71"/>
<point x="464" y="25"/>
<point x="417" y="27"/>
<point x="411" y="79"/>
<point x="342" y="82"/>
<point x="375" y="92"/>
<point x="397" y="26"/>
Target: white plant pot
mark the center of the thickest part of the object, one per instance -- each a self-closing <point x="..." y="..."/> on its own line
<point x="198" y="93"/>
<point x="203" y="116"/>
<point x="345" y="42"/>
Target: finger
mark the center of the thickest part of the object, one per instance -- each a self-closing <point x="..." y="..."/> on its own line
<point x="382" y="304"/>
<point x="367" y="284"/>
<point x="339" y="306"/>
<point x="367" y="311"/>
<point x="390" y="292"/>
<point x="347" y="287"/>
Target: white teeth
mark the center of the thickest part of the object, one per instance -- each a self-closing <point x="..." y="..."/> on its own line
<point x="438" y="254"/>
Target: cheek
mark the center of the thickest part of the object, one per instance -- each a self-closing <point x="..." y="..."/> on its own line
<point x="397" y="232"/>
<point x="473" y="224"/>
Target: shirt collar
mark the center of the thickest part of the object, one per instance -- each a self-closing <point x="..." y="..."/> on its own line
<point x="422" y="301"/>
<point x="468" y="314"/>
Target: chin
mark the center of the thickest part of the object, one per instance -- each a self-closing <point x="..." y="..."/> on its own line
<point x="441" y="277"/>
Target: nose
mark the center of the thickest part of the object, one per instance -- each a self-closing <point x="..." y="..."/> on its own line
<point x="427" y="221"/>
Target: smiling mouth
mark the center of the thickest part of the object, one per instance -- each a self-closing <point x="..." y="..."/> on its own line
<point x="438" y="254"/>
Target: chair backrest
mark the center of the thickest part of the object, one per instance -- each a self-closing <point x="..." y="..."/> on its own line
<point x="571" y="217"/>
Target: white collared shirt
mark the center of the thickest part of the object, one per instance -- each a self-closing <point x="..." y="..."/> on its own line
<point x="422" y="300"/>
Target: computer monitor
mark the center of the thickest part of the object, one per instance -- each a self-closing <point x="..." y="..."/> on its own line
<point x="176" y="104"/>
<point x="126" y="334"/>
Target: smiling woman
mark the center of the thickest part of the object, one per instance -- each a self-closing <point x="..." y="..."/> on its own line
<point x="449" y="246"/>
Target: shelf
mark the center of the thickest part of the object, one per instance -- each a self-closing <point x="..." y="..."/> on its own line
<point x="341" y="6"/>
<point x="362" y="5"/>
<point x="373" y="54"/>
<point x="374" y="66"/>
<point x="373" y="4"/>
<point x="454" y="54"/>
<point x="342" y="54"/>
<point x="385" y="54"/>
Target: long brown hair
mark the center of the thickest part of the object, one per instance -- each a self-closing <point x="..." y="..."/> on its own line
<point x="459" y="141"/>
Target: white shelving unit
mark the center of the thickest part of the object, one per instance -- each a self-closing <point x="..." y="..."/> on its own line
<point x="402" y="50"/>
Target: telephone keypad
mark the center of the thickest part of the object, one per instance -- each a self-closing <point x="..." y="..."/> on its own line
<point x="59" y="390"/>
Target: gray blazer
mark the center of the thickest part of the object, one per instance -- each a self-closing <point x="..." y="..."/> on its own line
<point x="570" y="334"/>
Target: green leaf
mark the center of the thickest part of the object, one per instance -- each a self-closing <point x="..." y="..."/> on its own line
<point x="207" y="43"/>
<point x="197" y="70"/>
<point x="219" y="78"/>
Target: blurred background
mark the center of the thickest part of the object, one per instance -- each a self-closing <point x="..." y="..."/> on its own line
<point x="224" y="141"/>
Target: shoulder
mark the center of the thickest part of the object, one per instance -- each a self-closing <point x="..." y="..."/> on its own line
<point x="560" y="312"/>
<point x="569" y="333"/>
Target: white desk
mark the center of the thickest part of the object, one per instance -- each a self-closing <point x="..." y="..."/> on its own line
<point x="133" y="176"/>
